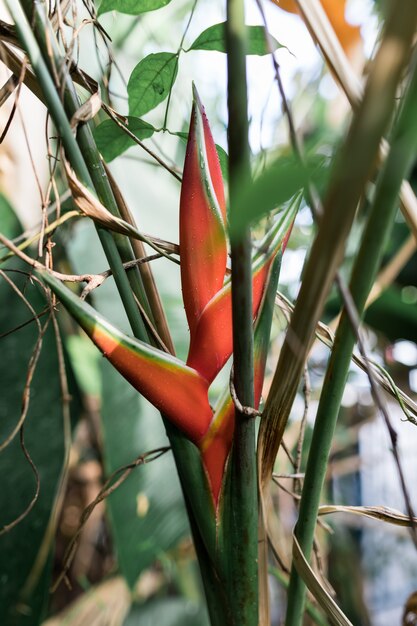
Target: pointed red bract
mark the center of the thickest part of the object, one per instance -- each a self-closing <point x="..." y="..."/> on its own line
<point x="203" y="246"/>
<point x="216" y="445"/>
<point x="178" y="391"/>
<point x="212" y="342"/>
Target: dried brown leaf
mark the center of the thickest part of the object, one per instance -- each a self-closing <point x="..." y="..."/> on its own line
<point x="87" y="110"/>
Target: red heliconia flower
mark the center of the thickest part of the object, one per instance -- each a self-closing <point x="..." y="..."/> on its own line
<point x="203" y="247"/>
<point x="212" y="340"/>
<point x="217" y="442"/>
<point x="179" y="390"/>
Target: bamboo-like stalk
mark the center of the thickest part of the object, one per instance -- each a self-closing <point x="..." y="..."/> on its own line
<point x="240" y="508"/>
<point x="97" y="171"/>
<point x="155" y="304"/>
<point x="382" y="213"/>
<point x="75" y="156"/>
<point x="353" y="166"/>
<point x="88" y="167"/>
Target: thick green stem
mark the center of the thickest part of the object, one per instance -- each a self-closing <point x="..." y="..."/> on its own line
<point x="241" y="517"/>
<point x="84" y="158"/>
<point x="382" y="213"/>
<point x="87" y="164"/>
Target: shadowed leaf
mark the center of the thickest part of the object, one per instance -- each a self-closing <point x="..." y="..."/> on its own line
<point x="112" y="141"/>
<point x="151" y="81"/>
<point x="44" y="440"/>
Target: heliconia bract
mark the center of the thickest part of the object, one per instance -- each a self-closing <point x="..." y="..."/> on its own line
<point x="179" y="390"/>
<point x="212" y="341"/>
<point x="203" y="247"/>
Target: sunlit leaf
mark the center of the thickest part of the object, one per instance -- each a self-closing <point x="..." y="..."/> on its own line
<point x="150" y="82"/>
<point x="214" y="38"/>
<point x="132" y="7"/>
<point x="112" y="141"/>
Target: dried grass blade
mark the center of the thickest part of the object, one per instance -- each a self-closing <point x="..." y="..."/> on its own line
<point x="89" y="205"/>
<point x="325" y="335"/>
<point x="329" y="606"/>
<point x="381" y="513"/>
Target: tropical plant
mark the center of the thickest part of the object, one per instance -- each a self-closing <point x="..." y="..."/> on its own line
<point x="224" y="465"/>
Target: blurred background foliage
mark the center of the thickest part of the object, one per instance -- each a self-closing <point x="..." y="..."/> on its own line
<point x="134" y="562"/>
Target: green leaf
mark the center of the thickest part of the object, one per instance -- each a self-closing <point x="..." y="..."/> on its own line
<point x="146" y="513"/>
<point x="112" y="140"/>
<point x="132" y="7"/>
<point x="151" y="81"/>
<point x="224" y="162"/>
<point x="273" y="187"/>
<point x="44" y="440"/>
<point x="213" y="38"/>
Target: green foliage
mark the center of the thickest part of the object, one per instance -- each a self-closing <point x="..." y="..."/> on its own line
<point x="44" y="428"/>
<point x="214" y="38"/>
<point x="112" y="140"/>
<point x="146" y="513"/>
<point x="132" y="7"/>
<point x="273" y="187"/>
<point x="151" y="81"/>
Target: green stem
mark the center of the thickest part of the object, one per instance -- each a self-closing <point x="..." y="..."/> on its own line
<point x="241" y="508"/>
<point x="84" y="158"/>
<point x="382" y="213"/>
<point x="87" y="164"/>
<point x="311" y="610"/>
<point x="354" y="164"/>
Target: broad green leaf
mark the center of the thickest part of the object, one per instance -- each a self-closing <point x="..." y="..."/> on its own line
<point x="146" y="513"/>
<point x="132" y="7"/>
<point x="213" y="38"/>
<point x="112" y="140"/>
<point x="150" y="82"/>
<point x="44" y="440"/>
